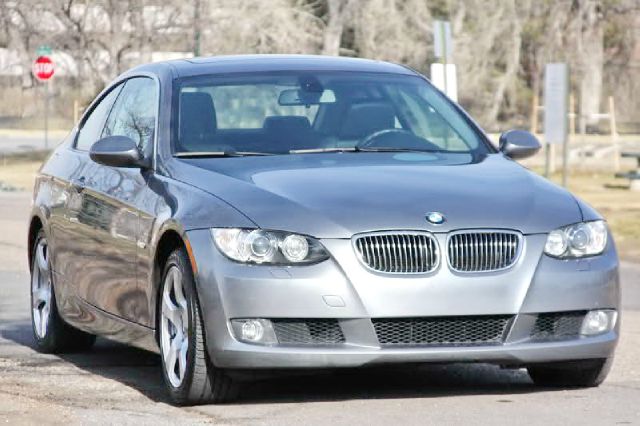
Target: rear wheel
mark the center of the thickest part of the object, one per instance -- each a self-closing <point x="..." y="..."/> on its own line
<point x="51" y="333"/>
<point x="587" y="373"/>
<point x="189" y="375"/>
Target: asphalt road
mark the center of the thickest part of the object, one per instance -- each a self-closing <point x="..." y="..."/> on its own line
<point x="119" y="385"/>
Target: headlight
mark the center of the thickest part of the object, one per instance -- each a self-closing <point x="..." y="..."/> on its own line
<point x="579" y="240"/>
<point x="271" y="247"/>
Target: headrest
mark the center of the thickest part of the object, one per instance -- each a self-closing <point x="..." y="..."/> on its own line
<point x="286" y="124"/>
<point x="198" y="120"/>
<point x="365" y="118"/>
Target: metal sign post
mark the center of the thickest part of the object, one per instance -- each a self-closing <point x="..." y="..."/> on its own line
<point x="443" y="74"/>
<point x="46" y="116"/>
<point x="43" y="70"/>
<point x="442" y="48"/>
<point x="556" y="105"/>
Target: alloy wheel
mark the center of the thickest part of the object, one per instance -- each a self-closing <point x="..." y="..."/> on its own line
<point x="41" y="289"/>
<point x="174" y="327"/>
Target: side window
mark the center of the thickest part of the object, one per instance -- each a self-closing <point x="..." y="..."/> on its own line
<point x="134" y="114"/>
<point x="92" y="127"/>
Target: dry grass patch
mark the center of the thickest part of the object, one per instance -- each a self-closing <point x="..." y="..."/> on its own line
<point x="18" y="175"/>
<point x="18" y="170"/>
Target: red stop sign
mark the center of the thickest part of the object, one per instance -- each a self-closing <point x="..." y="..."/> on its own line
<point x="43" y="68"/>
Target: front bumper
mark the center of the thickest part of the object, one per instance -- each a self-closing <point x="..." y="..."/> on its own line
<point x="342" y="289"/>
<point x="241" y="355"/>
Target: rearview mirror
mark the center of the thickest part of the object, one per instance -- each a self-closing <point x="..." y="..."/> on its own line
<point x="117" y="151"/>
<point x="518" y="144"/>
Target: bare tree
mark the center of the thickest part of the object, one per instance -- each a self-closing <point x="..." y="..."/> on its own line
<point x="338" y="13"/>
<point x="19" y="22"/>
<point x="247" y="26"/>
<point x="103" y="34"/>
<point x="501" y="46"/>
<point x="394" y="30"/>
<point x="590" y="48"/>
<point x="487" y="40"/>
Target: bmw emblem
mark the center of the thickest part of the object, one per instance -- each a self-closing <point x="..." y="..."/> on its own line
<point x="435" y="218"/>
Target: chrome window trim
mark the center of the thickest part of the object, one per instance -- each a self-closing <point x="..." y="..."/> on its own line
<point x="122" y="80"/>
<point x="430" y="235"/>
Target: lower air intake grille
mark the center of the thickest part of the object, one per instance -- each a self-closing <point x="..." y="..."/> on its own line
<point x="442" y="331"/>
<point x="558" y="325"/>
<point x="308" y="331"/>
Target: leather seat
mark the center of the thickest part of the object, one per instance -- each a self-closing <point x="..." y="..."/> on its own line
<point x="198" y="122"/>
<point x="363" y="119"/>
<point x="287" y="132"/>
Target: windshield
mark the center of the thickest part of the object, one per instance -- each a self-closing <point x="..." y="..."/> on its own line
<point x="306" y="112"/>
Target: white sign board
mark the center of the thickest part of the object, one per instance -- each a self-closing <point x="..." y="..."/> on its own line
<point x="556" y="95"/>
<point x="443" y="47"/>
<point x="450" y="86"/>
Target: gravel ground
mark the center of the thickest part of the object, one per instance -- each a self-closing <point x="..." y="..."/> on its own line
<point x="115" y="384"/>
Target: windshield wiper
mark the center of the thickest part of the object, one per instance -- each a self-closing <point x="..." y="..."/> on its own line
<point x="321" y="150"/>
<point x="392" y="149"/>
<point x="360" y="149"/>
<point x="209" y="154"/>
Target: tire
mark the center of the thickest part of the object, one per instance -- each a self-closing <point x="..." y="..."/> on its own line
<point x="189" y="375"/>
<point x="51" y="333"/>
<point x="588" y="373"/>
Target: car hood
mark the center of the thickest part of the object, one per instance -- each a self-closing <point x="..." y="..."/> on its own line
<point x="341" y="194"/>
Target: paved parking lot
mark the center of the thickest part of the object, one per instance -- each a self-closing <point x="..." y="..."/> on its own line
<point x="119" y="385"/>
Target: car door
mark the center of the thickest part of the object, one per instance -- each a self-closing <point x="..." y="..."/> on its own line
<point x="110" y="202"/>
<point x="72" y="244"/>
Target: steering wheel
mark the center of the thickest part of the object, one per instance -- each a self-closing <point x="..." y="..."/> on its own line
<point x="374" y="138"/>
<point x="396" y="138"/>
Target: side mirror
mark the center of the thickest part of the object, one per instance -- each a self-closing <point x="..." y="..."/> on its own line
<point x="117" y="151"/>
<point x="519" y="144"/>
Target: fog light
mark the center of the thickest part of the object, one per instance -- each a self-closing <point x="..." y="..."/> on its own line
<point x="254" y="330"/>
<point x="598" y="322"/>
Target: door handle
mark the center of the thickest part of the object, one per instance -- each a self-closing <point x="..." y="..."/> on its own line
<point x="78" y="184"/>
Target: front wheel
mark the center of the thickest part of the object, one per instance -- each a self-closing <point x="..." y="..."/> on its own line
<point x="587" y="373"/>
<point x="51" y="333"/>
<point x="188" y="373"/>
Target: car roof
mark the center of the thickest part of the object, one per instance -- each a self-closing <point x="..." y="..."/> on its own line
<point x="266" y="63"/>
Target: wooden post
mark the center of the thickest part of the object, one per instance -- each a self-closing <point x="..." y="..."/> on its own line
<point x="572" y="120"/>
<point x="614" y="134"/>
<point x="76" y="107"/>
<point x="572" y="116"/>
<point x="534" y="113"/>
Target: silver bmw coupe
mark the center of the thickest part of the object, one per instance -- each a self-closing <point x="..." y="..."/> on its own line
<point x="278" y="212"/>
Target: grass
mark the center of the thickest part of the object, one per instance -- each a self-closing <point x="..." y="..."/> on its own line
<point x="17" y="171"/>
<point x="610" y="196"/>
